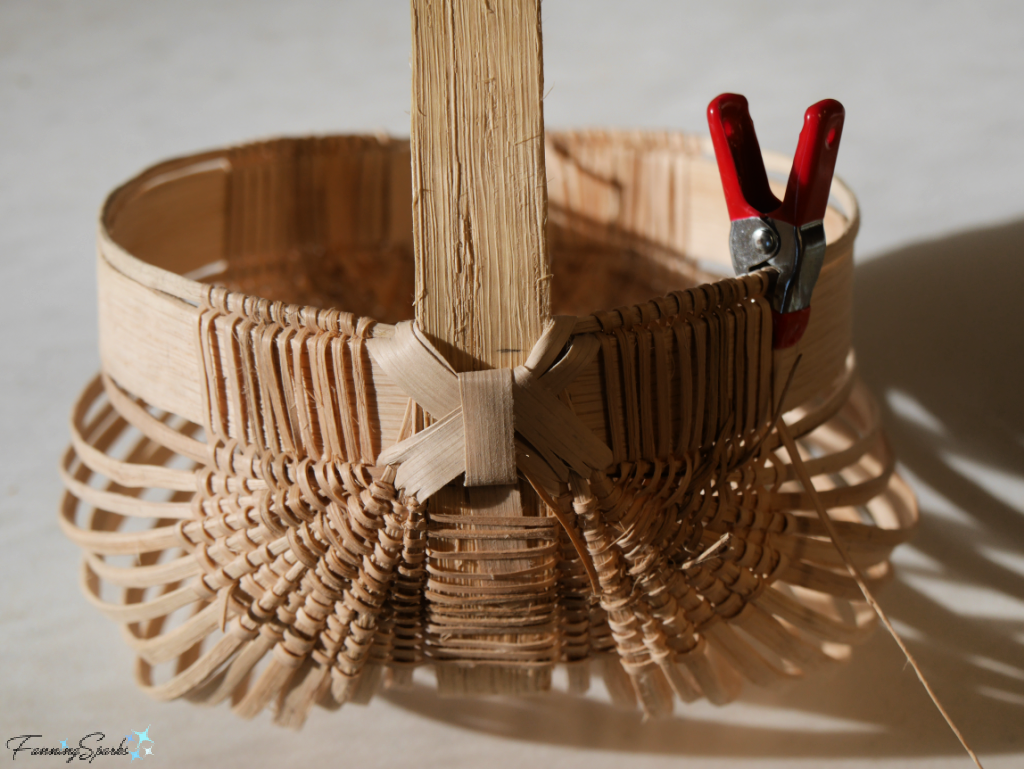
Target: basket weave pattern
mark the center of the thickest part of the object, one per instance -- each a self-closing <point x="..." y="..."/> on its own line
<point x="281" y="565"/>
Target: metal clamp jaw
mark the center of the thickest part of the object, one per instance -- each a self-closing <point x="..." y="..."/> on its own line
<point x="796" y="252"/>
<point x="786" y="235"/>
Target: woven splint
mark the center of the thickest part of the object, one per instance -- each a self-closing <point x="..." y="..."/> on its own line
<point x="247" y="477"/>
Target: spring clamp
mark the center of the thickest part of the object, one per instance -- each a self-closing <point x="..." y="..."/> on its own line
<point x="786" y="235"/>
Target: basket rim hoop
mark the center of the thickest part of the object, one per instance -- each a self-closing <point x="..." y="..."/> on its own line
<point x="194" y="292"/>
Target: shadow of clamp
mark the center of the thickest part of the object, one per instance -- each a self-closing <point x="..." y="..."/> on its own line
<point x="787" y="235"/>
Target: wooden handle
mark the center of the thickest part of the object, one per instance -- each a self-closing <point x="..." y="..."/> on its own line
<point x="479" y="209"/>
<point x="479" y="191"/>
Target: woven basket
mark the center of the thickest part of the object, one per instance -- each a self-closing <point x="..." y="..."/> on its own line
<point x="224" y="480"/>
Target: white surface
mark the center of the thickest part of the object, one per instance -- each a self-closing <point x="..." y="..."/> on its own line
<point x="91" y="92"/>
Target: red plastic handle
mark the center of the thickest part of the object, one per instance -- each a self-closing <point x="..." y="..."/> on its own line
<point x="740" y="165"/>
<point x="811" y="176"/>
<point x="788" y="328"/>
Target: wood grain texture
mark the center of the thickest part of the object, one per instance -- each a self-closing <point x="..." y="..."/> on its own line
<point x="488" y="414"/>
<point x="479" y="193"/>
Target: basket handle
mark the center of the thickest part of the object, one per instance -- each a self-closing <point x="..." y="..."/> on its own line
<point x="482" y="298"/>
<point x="479" y="192"/>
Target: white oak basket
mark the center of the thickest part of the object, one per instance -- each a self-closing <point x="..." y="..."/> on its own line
<point x="224" y="479"/>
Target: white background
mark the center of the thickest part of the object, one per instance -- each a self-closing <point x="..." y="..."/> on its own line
<point x="92" y="92"/>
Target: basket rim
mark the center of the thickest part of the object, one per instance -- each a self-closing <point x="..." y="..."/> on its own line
<point x="195" y="293"/>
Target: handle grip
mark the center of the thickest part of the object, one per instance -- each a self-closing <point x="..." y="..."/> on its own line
<point x="740" y="165"/>
<point x="811" y="175"/>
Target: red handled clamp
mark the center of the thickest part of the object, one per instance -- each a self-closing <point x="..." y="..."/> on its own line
<point x="787" y="235"/>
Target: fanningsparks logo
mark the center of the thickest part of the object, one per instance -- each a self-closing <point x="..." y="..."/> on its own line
<point x="136" y="745"/>
<point x="140" y="739"/>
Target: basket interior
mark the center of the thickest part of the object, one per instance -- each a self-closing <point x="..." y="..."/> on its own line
<point x="327" y="222"/>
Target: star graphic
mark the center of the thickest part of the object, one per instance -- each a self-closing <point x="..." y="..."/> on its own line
<point x="64" y="744"/>
<point x="135" y="754"/>
<point x="144" y="736"/>
<point x="128" y="738"/>
<point x="149" y="751"/>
